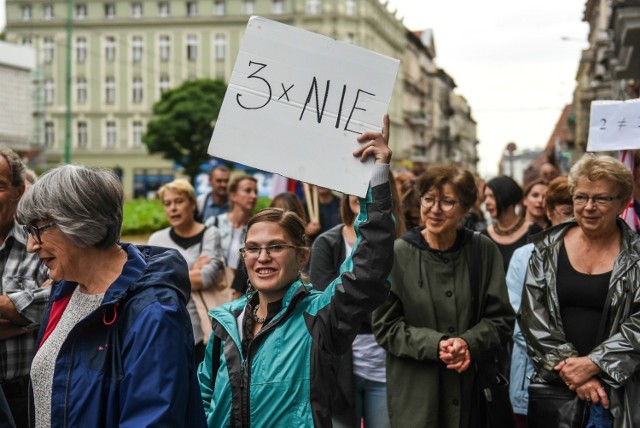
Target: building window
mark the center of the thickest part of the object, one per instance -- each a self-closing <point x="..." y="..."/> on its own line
<point x="26" y="41"/>
<point x="81" y="90"/>
<point x="109" y="10"/>
<point x="110" y="48"/>
<point x="350" y="38"/>
<point x="81" y="11"/>
<point x="47" y="11"/>
<point x="81" y="49"/>
<point x="48" y="49"/>
<point x="163" y="9"/>
<point x="165" y="83"/>
<point x="313" y="7"/>
<point x="192" y="47"/>
<point x="83" y="138"/>
<point x="192" y="8"/>
<point x="221" y="46"/>
<point x="111" y="135"/>
<point x="137" y="90"/>
<point x="136" y="49"/>
<point x="49" y="134"/>
<point x="48" y="91"/>
<point x="110" y="90"/>
<point x="136" y="10"/>
<point x="277" y="7"/>
<point x="138" y="130"/>
<point x="164" y="48"/>
<point x="25" y="13"/>
<point x="219" y="7"/>
<point x="249" y="7"/>
<point x="350" y="7"/>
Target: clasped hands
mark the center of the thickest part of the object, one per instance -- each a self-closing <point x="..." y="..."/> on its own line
<point x="579" y="374"/>
<point x="454" y="352"/>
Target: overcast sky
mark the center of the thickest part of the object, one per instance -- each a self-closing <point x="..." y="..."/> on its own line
<point x="509" y="61"/>
<point x="515" y="62"/>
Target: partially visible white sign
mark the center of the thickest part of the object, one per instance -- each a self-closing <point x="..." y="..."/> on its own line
<point x="296" y="102"/>
<point x="614" y="125"/>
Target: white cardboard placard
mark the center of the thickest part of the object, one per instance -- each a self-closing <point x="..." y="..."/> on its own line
<point x="614" y="125"/>
<point x="296" y="102"/>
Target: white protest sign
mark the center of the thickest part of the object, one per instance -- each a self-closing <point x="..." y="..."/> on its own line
<point x="614" y="125"/>
<point x="296" y="102"/>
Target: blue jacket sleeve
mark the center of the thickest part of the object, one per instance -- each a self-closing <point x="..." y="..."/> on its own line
<point x="363" y="281"/>
<point x="158" y="371"/>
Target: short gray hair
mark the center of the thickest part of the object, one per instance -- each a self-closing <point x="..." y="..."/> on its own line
<point x="85" y="203"/>
<point x="15" y="164"/>
<point x="594" y="167"/>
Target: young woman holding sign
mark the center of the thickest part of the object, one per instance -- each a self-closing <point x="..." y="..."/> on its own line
<point x="272" y="352"/>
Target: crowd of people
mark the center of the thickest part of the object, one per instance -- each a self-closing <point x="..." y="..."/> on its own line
<point x="412" y="306"/>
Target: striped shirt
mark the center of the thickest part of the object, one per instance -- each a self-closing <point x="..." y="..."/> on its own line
<point x="22" y="277"/>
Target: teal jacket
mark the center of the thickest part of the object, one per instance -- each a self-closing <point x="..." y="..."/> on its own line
<point x="285" y="378"/>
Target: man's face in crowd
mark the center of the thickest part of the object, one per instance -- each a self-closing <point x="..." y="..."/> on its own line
<point x="219" y="181"/>
<point x="9" y="195"/>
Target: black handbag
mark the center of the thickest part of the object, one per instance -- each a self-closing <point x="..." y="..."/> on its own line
<point x="492" y="386"/>
<point x="552" y="405"/>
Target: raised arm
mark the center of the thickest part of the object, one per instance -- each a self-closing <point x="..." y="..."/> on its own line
<point x="362" y="284"/>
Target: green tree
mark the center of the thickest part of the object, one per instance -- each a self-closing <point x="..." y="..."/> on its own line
<point x="182" y="123"/>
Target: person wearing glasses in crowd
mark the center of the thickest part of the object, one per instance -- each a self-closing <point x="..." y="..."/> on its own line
<point x="23" y="292"/>
<point x="558" y="207"/>
<point x="580" y="271"/>
<point x="434" y="345"/>
<point x="270" y="356"/>
<point x="115" y="347"/>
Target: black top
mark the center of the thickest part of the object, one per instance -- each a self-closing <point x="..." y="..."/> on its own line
<point x="507" y="250"/>
<point x="582" y="298"/>
<point x="187" y="242"/>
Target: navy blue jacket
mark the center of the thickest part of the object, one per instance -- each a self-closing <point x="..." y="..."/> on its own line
<point x="130" y="363"/>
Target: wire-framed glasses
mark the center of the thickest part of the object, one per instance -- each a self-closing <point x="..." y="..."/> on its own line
<point x="445" y="204"/>
<point x="253" y="253"/>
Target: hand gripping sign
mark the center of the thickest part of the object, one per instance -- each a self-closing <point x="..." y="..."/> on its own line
<point x="296" y="102"/>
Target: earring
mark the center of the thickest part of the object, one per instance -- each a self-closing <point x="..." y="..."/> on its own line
<point x="249" y="291"/>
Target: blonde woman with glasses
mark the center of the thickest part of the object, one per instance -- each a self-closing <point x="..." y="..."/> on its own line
<point x="583" y="281"/>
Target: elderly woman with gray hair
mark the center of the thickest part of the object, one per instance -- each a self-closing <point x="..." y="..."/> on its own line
<point x="115" y="347"/>
<point x="580" y="311"/>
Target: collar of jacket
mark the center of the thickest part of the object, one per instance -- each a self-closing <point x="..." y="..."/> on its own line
<point x="629" y="248"/>
<point x="131" y="271"/>
<point x="415" y="238"/>
<point x="227" y="314"/>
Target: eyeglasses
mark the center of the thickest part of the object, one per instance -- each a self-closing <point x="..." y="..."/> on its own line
<point x="253" y="253"/>
<point x="34" y="231"/>
<point x="599" y="200"/>
<point x="445" y="204"/>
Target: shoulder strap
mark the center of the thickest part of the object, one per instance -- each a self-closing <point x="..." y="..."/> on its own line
<point x="201" y="240"/>
<point x="215" y="360"/>
<point x="474" y="276"/>
<point x="605" y="315"/>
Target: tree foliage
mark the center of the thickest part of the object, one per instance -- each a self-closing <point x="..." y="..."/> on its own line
<point x="182" y="123"/>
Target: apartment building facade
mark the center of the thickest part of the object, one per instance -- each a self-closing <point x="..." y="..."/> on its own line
<point x="126" y="53"/>
<point x="17" y="97"/>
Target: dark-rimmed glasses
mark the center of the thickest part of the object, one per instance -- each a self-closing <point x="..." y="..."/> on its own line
<point x="253" y="253"/>
<point x="446" y="205"/>
<point x="34" y="231"/>
<point x="598" y="200"/>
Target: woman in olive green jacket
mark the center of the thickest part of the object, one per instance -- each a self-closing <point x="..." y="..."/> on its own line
<point x="426" y="325"/>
